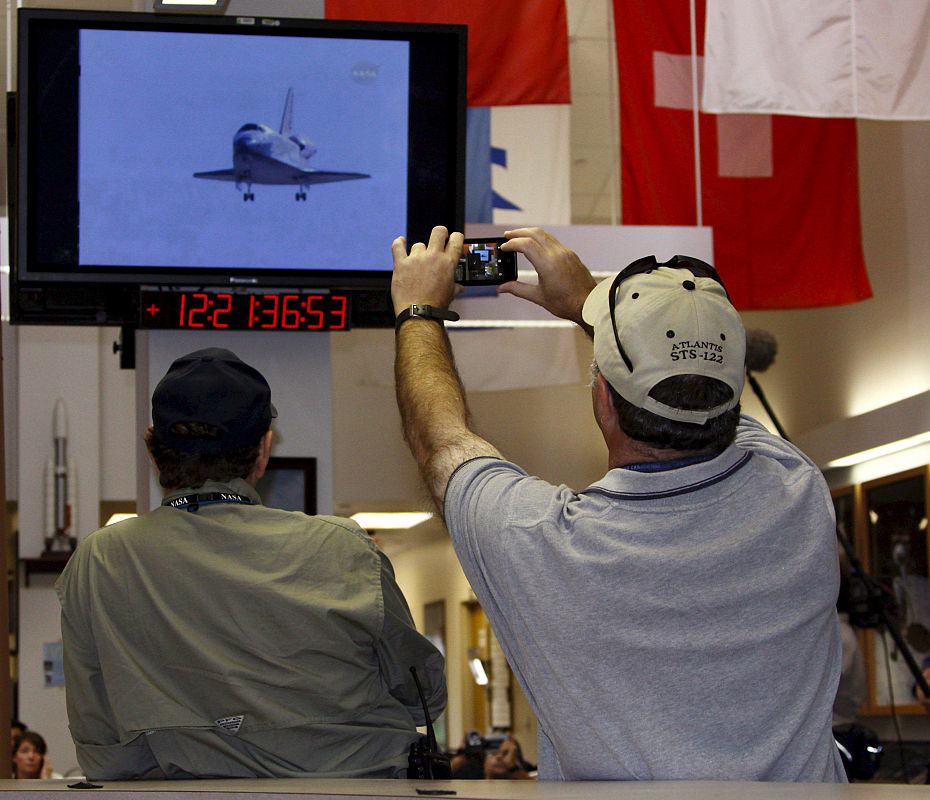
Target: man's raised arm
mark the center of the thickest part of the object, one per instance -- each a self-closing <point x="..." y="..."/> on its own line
<point x="429" y="391"/>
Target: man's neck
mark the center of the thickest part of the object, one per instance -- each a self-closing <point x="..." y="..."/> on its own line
<point x="627" y="451"/>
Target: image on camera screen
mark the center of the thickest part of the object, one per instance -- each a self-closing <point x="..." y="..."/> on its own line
<point x="480" y="262"/>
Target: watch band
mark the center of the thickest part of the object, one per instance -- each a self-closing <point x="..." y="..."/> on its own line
<point x="426" y="312"/>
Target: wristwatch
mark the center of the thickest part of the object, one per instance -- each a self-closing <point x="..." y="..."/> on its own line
<point x="426" y="312"/>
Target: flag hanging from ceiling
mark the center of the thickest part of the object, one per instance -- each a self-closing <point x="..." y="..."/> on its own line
<point x="832" y="58"/>
<point x="781" y="193"/>
<point x="518" y="94"/>
<point x="517" y="53"/>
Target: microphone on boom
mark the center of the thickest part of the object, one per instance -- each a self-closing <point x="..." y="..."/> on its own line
<point x="761" y="349"/>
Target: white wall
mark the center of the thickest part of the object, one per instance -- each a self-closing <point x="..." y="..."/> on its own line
<point x="51" y="364"/>
<point x="119" y="437"/>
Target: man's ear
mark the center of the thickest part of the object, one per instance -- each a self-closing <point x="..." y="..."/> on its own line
<point x="603" y="400"/>
<point x="147" y="438"/>
<point x="264" y="453"/>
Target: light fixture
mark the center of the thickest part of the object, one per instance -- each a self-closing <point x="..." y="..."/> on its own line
<point x="899" y="429"/>
<point x="197" y="6"/>
<point x="881" y="450"/>
<point x="468" y="324"/>
<point x="390" y="520"/>
<point x="114" y="518"/>
<point x="477" y="671"/>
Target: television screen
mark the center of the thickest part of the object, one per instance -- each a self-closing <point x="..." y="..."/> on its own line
<point x="165" y="150"/>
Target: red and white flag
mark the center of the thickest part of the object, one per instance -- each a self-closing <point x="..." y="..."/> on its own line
<point x="518" y="87"/>
<point x="830" y="58"/>
<point x="517" y="51"/>
<point x="781" y="193"/>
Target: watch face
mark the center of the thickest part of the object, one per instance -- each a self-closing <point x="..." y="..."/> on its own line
<point x="425" y="312"/>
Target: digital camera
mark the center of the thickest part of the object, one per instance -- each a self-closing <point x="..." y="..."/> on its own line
<point x="484" y="263"/>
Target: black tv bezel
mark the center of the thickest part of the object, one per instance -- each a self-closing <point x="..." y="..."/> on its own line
<point x="435" y="178"/>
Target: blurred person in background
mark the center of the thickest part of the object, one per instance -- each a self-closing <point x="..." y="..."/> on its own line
<point x="30" y="757"/>
<point x="507" y="762"/>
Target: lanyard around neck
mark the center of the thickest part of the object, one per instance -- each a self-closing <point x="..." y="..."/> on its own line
<point x="193" y="502"/>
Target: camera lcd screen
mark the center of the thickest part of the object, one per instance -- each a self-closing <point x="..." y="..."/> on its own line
<point x="483" y="262"/>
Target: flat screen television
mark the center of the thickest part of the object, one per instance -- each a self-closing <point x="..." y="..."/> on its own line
<point x="211" y="151"/>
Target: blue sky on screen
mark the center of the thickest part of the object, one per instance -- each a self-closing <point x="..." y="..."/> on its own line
<point x="155" y="107"/>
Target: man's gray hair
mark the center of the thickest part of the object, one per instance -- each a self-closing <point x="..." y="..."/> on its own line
<point x="681" y="390"/>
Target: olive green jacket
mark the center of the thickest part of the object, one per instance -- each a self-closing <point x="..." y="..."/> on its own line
<point x="240" y="641"/>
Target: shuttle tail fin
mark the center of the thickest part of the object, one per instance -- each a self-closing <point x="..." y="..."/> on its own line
<point x="287" y="116"/>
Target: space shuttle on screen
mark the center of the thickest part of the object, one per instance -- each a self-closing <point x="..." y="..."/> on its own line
<point x="262" y="155"/>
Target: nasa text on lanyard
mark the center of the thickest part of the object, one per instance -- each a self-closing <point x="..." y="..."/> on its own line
<point x="193" y="502"/>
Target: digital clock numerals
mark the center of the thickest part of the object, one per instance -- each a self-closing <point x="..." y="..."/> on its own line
<point x="259" y="311"/>
<point x="338" y="312"/>
<point x="202" y="310"/>
<point x="291" y="312"/>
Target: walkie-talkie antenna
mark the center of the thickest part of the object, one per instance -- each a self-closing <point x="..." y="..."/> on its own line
<point x="430" y="733"/>
<point x="430" y="764"/>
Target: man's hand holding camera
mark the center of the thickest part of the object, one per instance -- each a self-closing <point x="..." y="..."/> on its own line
<point x="564" y="282"/>
<point x="425" y="275"/>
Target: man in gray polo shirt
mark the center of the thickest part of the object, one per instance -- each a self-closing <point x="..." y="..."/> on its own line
<point x="676" y="619"/>
<point x="215" y="637"/>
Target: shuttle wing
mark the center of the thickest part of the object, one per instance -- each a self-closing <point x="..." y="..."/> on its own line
<point x="322" y="176"/>
<point x="272" y="172"/>
<point x="218" y="175"/>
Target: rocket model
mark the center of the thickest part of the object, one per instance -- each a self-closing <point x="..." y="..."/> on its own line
<point x="60" y="489"/>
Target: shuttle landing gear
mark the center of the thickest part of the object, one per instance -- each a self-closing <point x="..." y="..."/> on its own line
<point x="248" y="194"/>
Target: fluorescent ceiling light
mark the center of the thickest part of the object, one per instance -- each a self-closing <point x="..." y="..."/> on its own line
<point x="118" y="518"/>
<point x="390" y="520"/>
<point x="881" y="450"/>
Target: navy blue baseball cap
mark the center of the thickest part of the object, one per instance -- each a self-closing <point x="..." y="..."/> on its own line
<point x="212" y="386"/>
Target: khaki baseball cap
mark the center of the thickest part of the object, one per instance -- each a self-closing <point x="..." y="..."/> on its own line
<point x="665" y="320"/>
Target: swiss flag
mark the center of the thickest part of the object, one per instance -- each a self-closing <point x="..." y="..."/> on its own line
<point x="781" y="193"/>
<point x="517" y="51"/>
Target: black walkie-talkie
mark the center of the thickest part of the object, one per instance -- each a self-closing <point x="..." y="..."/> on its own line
<point x="425" y="760"/>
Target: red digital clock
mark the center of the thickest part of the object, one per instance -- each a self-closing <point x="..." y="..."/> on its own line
<point x="268" y="310"/>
